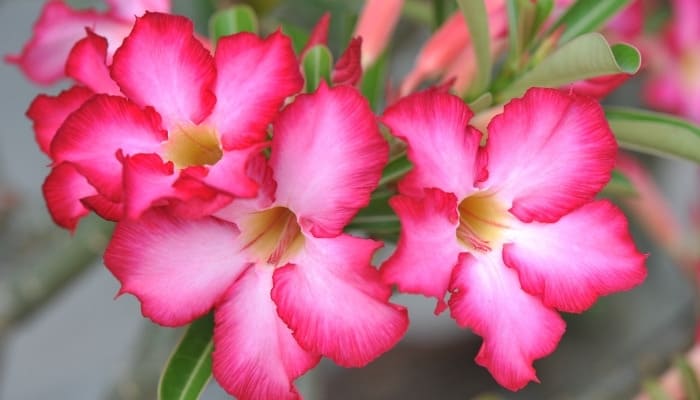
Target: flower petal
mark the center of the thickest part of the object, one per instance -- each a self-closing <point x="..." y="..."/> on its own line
<point x="147" y="180"/>
<point x="91" y="137"/>
<point x="327" y="157"/>
<point x="516" y="327"/>
<point x="161" y="64"/>
<point x="229" y="174"/>
<point x="427" y="250"/>
<point x="571" y="274"/>
<point x="43" y="58"/>
<point x="104" y="207"/>
<point x="87" y="64"/>
<point x="255" y="355"/>
<point x="549" y="153"/>
<point x="63" y="190"/>
<point x="49" y="112"/>
<point x="334" y="302"/>
<point x="348" y="69"/>
<point x="127" y="10"/>
<point x="440" y="145"/>
<point x="254" y="77"/>
<point x="177" y="268"/>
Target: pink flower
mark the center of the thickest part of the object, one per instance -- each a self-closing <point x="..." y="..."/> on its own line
<point x="59" y="27"/>
<point x="181" y="133"/>
<point x="375" y="26"/>
<point x="674" y="84"/>
<point x="511" y="229"/>
<point x="449" y="52"/>
<point x="286" y="284"/>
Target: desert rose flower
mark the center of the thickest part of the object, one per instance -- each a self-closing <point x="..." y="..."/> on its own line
<point x="286" y="284"/>
<point x="59" y="27"/>
<point x="181" y="132"/>
<point x="674" y="82"/>
<point x="375" y="26"/>
<point x="512" y="229"/>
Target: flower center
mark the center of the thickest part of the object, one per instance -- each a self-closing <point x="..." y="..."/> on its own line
<point x="193" y="145"/>
<point x="482" y="222"/>
<point x="272" y="235"/>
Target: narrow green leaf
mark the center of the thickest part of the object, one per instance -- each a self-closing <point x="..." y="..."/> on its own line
<point x="317" y="65"/>
<point x="585" y="57"/>
<point x="619" y="186"/>
<point x="188" y="370"/>
<point x="586" y="16"/>
<point x="477" y="19"/>
<point x="482" y="102"/>
<point x="373" y="81"/>
<point x="542" y="10"/>
<point x="689" y="378"/>
<point x="240" y="18"/>
<point x="655" y="133"/>
<point x="395" y="169"/>
<point x="299" y="36"/>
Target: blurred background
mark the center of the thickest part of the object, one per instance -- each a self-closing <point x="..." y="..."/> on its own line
<point x="64" y="336"/>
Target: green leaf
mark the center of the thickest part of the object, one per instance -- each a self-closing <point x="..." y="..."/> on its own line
<point x="689" y="378"/>
<point x="586" y="16"/>
<point x="299" y="36"/>
<point x="317" y="64"/>
<point x="188" y="370"/>
<point x="240" y="18"/>
<point x="655" y="133"/>
<point x="482" y="102"/>
<point x="619" y="186"/>
<point x="395" y="169"/>
<point x="373" y="81"/>
<point x="477" y="19"/>
<point x="542" y="10"/>
<point x="585" y="57"/>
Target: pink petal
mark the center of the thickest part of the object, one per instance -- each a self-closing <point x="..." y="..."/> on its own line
<point x="87" y="64"/>
<point x="348" y="69"/>
<point x="255" y="355"/>
<point x="49" y="112"/>
<point x="571" y="274"/>
<point x="128" y="10"/>
<point x="685" y="27"/>
<point x="516" y="327"/>
<point x="549" y="153"/>
<point x="427" y="250"/>
<point x="161" y="64"/>
<point x="147" y="181"/>
<point x="58" y="28"/>
<point x="229" y="174"/>
<point x="254" y="78"/>
<point x="177" y="268"/>
<point x="334" y="302"/>
<point x="63" y="190"/>
<point x="375" y="26"/>
<point x="599" y="87"/>
<point x="104" y="207"/>
<point x="441" y="147"/>
<point x="327" y="157"/>
<point x="91" y="137"/>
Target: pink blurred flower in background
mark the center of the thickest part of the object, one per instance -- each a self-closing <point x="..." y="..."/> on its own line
<point x="511" y="229"/>
<point x="674" y="66"/>
<point x="59" y="27"/>
<point x="376" y="23"/>
<point x="286" y="284"/>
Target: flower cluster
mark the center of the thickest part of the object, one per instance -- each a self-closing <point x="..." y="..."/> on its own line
<point x="232" y="191"/>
